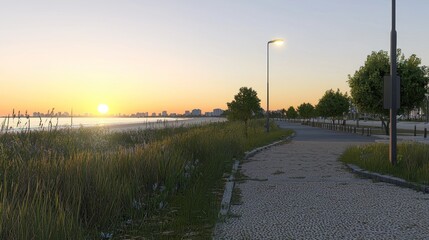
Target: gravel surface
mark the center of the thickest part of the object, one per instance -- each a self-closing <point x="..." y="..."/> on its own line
<point x="300" y="190"/>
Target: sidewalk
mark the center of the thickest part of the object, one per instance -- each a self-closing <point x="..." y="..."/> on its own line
<point x="300" y="190"/>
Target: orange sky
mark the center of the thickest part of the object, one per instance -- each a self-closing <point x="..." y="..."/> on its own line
<point x="150" y="56"/>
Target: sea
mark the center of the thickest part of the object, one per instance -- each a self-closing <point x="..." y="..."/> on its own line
<point x="44" y="123"/>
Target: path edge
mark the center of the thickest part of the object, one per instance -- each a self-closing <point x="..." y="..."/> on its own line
<point x="229" y="186"/>
<point x="388" y="179"/>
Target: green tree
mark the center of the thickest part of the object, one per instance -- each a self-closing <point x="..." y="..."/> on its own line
<point x="244" y="107"/>
<point x="306" y="110"/>
<point x="414" y="81"/>
<point x="283" y="113"/>
<point x="367" y="84"/>
<point x="291" y="113"/>
<point x="333" y="105"/>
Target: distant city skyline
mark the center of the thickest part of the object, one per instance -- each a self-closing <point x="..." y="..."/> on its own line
<point x="179" y="55"/>
<point x="187" y="113"/>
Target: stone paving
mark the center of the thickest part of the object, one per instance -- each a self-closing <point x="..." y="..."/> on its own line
<point x="300" y="190"/>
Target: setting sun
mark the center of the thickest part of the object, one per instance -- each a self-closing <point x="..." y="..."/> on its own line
<point x="103" y="108"/>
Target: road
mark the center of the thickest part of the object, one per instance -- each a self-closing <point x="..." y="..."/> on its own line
<point x="300" y="190"/>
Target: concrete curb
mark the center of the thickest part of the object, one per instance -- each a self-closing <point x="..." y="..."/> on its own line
<point x="229" y="186"/>
<point x="389" y="179"/>
<point x="257" y="150"/>
<point x="227" y="193"/>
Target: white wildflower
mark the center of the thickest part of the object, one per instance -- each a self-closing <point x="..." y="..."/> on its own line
<point x="106" y="235"/>
<point x="137" y="204"/>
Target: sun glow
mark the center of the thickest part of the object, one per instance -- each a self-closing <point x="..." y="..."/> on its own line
<point x="103" y="108"/>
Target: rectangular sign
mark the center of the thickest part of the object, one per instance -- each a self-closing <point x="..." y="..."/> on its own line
<point x="387" y="101"/>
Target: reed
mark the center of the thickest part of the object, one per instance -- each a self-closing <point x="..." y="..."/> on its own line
<point x="91" y="183"/>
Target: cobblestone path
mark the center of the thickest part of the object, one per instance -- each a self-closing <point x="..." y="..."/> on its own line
<point x="300" y="190"/>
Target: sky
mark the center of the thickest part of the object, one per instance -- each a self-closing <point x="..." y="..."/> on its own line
<point x="151" y="56"/>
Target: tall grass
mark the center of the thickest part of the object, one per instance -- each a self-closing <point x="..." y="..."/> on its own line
<point x="77" y="184"/>
<point x="413" y="160"/>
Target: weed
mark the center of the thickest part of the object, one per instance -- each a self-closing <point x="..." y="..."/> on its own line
<point x="413" y="160"/>
<point x="278" y="172"/>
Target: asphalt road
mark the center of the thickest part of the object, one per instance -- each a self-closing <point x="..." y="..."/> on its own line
<point x="305" y="133"/>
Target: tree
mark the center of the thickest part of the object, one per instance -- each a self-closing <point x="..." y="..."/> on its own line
<point x="414" y="81"/>
<point x="306" y="110"/>
<point x="244" y="107"/>
<point x="367" y="84"/>
<point x="333" y="105"/>
<point x="283" y="113"/>
<point x="291" y="113"/>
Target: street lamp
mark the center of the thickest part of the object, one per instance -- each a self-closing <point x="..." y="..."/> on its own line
<point x="277" y="42"/>
<point x="394" y="79"/>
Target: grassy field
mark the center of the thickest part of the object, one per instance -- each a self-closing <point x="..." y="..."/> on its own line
<point x="92" y="184"/>
<point x="413" y="160"/>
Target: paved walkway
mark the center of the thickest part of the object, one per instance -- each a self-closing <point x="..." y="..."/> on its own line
<point x="300" y="190"/>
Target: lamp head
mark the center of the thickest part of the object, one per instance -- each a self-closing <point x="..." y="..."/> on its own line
<point x="278" y="41"/>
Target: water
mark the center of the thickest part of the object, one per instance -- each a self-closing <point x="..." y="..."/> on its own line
<point x="19" y="124"/>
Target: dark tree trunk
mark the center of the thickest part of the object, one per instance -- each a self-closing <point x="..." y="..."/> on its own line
<point x="385" y="125"/>
<point x="245" y="128"/>
<point x="357" y="119"/>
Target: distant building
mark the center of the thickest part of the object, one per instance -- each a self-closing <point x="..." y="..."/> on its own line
<point x="164" y="114"/>
<point x="173" y="114"/>
<point x="153" y="114"/>
<point x="208" y="114"/>
<point x="140" y="114"/>
<point x="196" y="112"/>
<point x="187" y="113"/>
<point x="217" y="112"/>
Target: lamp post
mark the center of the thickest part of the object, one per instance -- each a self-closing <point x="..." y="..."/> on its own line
<point x="394" y="79"/>
<point x="279" y="42"/>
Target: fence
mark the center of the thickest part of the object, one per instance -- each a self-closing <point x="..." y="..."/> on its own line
<point x="368" y="131"/>
<point x="340" y="127"/>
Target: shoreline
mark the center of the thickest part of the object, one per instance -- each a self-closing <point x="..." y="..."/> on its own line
<point x="156" y="125"/>
<point x="115" y="127"/>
